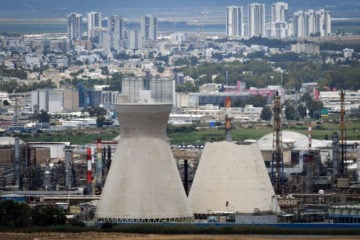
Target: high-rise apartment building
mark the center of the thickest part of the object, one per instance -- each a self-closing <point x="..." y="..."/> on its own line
<point x="312" y="23"/>
<point x="298" y="24"/>
<point x="74" y="21"/>
<point x="279" y="12"/>
<point x="235" y="21"/>
<point x="134" y="40"/>
<point x="309" y="23"/>
<point x="322" y="22"/>
<point x="256" y="20"/>
<point x="93" y="22"/>
<point x="115" y="27"/>
<point x="149" y="27"/>
<point x="279" y="27"/>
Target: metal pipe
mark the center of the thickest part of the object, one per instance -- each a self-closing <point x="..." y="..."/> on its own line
<point x="186" y="177"/>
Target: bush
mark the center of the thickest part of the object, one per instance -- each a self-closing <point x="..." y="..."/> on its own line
<point x="14" y="215"/>
<point x="47" y="216"/>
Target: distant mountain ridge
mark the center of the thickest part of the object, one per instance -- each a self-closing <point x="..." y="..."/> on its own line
<point x="57" y="8"/>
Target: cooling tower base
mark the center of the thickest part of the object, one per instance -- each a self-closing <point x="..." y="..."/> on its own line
<point x="146" y="220"/>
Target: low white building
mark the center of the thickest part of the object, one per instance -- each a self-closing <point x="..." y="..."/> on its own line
<point x="32" y="61"/>
<point x="331" y="100"/>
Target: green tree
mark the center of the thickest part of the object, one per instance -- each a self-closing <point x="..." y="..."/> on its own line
<point x="187" y="87"/>
<point x="105" y="70"/>
<point x="181" y="61"/>
<point x="193" y="61"/>
<point x="100" y="121"/>
<point x="95" y="112"/>
<point x="6" y="102"/>
<point x="291" y="113"/>
<point x="301" y="109"/>
<point x="43" y="116"/>
<point x="47" y="216"/>
<point x="313" y="106"/>
<point x="14" y="215"/>
<point x="266" y="113"/>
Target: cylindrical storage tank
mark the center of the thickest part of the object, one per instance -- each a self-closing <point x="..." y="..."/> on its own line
<point x="143" y="184"/>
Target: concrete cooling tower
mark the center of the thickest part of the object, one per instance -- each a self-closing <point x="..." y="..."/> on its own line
<point x="143" y="184"/>
<point x="231" y="178"/>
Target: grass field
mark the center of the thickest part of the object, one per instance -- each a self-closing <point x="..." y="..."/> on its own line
<point x="320" y="130"/>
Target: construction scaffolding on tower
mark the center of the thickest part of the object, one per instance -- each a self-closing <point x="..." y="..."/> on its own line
<point x="342" y="167"/>
<point x="277" y="165"/>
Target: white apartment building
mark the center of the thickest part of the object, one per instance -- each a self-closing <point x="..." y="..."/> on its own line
<point x="135" y="41"/>
<point x="256" y="20"/>
<point x="115" y="28"/>
<point x="323" y="22"/>
<point x="32" y="61"/>
<point x="279" y="12"/>
<point x="149" y="27"/>
<point x="331" y="100"/>
<point x="235" y="22"/>
<point x="74" y="21"/>
<point x="312" y="23"/>
<point x="93" y="22"/>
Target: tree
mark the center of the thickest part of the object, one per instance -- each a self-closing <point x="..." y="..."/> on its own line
<point x="14" y="215"/>
<point x="43" y="116"/>
<point x="6" y="102"/>
<point x="313" y="106"/>
<point x="100" y="121"/>
<point x="95" y="112"/>
<point x="187" y="87"/>
<point x="266" y="113"/>
<point x="105" y="70"/>
<point x="47" y="216"/>
<point x="291" y="113"/>
<point x="301" y="109"/>
<point x="181" y="61"/>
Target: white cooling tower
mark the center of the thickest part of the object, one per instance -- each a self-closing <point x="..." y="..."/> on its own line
<point x="143" y="184"/>
<point x="231" y="178"/>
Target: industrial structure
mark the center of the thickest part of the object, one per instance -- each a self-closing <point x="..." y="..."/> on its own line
<point x="143" y="184"/>
<point x="231" y="179"/>
<point x="277" y="170"/>
<point x="146" y="180"/>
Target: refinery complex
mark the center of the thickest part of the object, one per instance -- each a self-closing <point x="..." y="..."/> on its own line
<point x="284" y="177"/>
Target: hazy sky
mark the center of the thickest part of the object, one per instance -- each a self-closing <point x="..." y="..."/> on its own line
<point x="60" y="8"/>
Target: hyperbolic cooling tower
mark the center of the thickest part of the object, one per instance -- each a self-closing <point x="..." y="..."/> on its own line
<point x="143" y="184"/>
<point x="231" y="178"/>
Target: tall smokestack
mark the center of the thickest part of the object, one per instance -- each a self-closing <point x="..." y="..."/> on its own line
<point x="99" y="164"/>
<point x="68" y="172"/>
<point x="228" y="136"/>
<point x="17" y="163"/>
<point x="343" y="168"/>
<point x="89" y="168"/>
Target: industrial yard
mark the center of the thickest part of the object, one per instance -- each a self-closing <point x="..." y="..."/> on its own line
<point x="139" y="173"/>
